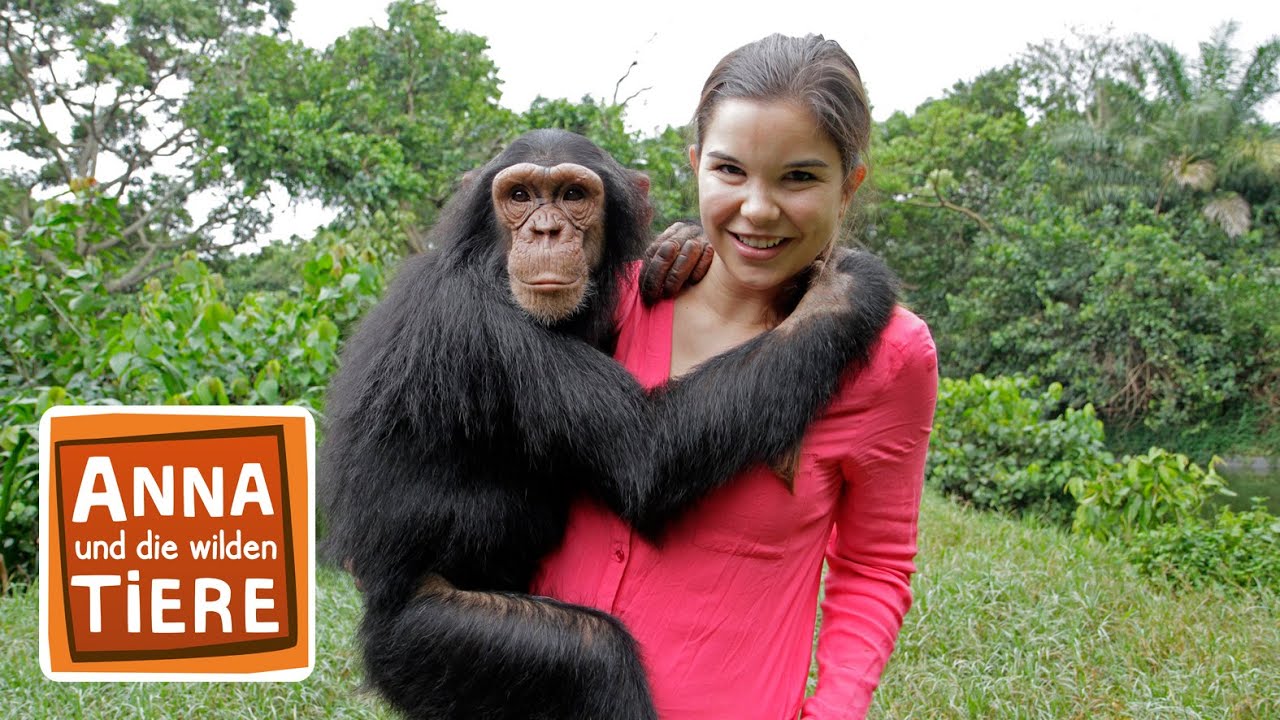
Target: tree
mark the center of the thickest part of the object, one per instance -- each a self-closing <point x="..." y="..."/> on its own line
<point x="1138" y="121"/>
<point x="939" y="178"/>
<point x="386" y="120"/>
<point x="92" y="93"/>
<point x="1041" y="227"/>
<point x="1209" y="139"/>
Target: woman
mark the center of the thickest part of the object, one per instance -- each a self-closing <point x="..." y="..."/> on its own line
<point x="723" y="610"/>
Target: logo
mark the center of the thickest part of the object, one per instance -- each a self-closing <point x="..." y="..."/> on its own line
<point x="177" y="543"/>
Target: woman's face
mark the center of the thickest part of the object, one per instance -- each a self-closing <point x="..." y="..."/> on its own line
<point x="770" y="189"/>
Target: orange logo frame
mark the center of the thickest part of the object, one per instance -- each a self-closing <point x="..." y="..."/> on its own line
<point x="177" y="543"/>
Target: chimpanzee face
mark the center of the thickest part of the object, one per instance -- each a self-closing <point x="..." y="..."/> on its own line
<point x="555" y="222"/>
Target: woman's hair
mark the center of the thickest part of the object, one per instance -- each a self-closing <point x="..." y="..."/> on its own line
<point x="811" y="71"/>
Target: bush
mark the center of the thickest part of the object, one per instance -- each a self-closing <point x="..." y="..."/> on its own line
<point x="1005" y="444"/>
<point x="1145" y="315"/>
<point x="182" y="339"/>
<point x="1240" y="549"/>
<point x="1142" y="493"/>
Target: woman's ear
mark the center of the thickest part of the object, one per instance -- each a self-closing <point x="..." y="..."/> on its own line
<point x="851" y="185"/>
<point x="693" y="158"/>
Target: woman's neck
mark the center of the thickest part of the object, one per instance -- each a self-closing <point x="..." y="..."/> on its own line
<point x="720" y="298"/>
<point x="717" y="315"/>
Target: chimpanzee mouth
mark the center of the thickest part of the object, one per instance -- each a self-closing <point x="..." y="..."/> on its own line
<point x="548" y="284"/>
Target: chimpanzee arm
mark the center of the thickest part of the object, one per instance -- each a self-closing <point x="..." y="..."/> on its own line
<point x="753" y="404"/>
<point x="650" y="458"/>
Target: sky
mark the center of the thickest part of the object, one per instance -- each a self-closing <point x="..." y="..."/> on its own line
<point x="907" y="52"/>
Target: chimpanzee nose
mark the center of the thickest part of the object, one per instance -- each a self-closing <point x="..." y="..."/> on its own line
<point x="547" y="225"/>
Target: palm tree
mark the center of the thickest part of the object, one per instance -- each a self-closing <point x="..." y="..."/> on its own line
<point x="1137" y="121"/>
<point x="1207" y="136"/>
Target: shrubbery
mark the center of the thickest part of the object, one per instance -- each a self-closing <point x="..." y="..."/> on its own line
<point x="1143" y="493"/>
<point x="183" y="340"/>
<point x="1006" y="444"/>
<point x="1240" y="549"/>
<point x="1127" y="308"/>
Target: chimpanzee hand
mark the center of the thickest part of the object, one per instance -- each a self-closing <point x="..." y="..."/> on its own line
<point x="679" y="257"/>
<point x="830" y="290"/>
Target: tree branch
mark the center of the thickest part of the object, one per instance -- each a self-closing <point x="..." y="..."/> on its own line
<point x="139" y="224"/>
<point x="945" y="204"/>
<point x="23" y="71"/>
<point x="618" y="84"/>
<point x="138" y="272"/>
<point x="635" y="94"/>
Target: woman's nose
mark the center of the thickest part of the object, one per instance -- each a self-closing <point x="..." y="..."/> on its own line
<point x="758" y="205"/>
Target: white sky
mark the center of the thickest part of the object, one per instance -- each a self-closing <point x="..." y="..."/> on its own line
<point x="907" y="51"/>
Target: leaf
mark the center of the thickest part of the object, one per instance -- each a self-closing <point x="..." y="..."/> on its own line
<point x="1232" y="213"/>
<point x="268" y="390"/>
<point x="23" y="300"/>
<point x="1195" y="174"/>
<point x="120" y="362"/>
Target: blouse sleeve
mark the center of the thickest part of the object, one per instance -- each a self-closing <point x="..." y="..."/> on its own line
<point x="871" y="555"/>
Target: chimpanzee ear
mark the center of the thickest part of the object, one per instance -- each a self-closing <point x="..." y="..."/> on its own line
<point x="468" y="177"/>
<point x="641" y="181"/>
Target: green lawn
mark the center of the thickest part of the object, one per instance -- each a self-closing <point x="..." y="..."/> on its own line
<point x="331" y="691"/>
<point x="1011" y="620"/>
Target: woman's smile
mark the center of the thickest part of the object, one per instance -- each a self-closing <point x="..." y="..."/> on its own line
<point x="759" y="247"/>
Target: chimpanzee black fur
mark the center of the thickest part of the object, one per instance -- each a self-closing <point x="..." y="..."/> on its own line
<point x="458" y="431"/>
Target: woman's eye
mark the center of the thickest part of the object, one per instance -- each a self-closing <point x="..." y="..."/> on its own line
<point x="729" y="169"/>
<point x="575" y="194"/>
<point x="520" y="195"/>
<point x="800" y="176"/>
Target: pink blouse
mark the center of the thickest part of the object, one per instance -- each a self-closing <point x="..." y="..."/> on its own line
<point x="724" y="609"/>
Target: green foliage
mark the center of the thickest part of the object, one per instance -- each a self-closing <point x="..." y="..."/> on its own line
<point x="1251" y="431"/>
<point x="1005" y="444"/>
<point x="92" y="94"/>
<point x="1144" y="315"/>
<point x="183" y="340"/>
<point x="1142" y="493"/>
<point x="936" y="177"/>
<point x="1235" y="549"/>
<point x="601" y="123"/>
<point x="386" y="120"/>
<point x="1102" y="213"/>
<point x="672" y="187"/>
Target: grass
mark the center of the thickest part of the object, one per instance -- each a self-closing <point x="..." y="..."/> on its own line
<point x="1016" y="620"/>
<point x="331" y="691"/>
<point x="1011" y="620"/>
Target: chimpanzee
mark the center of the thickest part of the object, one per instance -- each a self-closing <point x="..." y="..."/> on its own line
<point x="474" y="403"/>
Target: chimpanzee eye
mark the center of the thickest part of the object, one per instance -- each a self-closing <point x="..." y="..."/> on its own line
<point x="574" y="194"/>
<point x="519" y="194"/>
